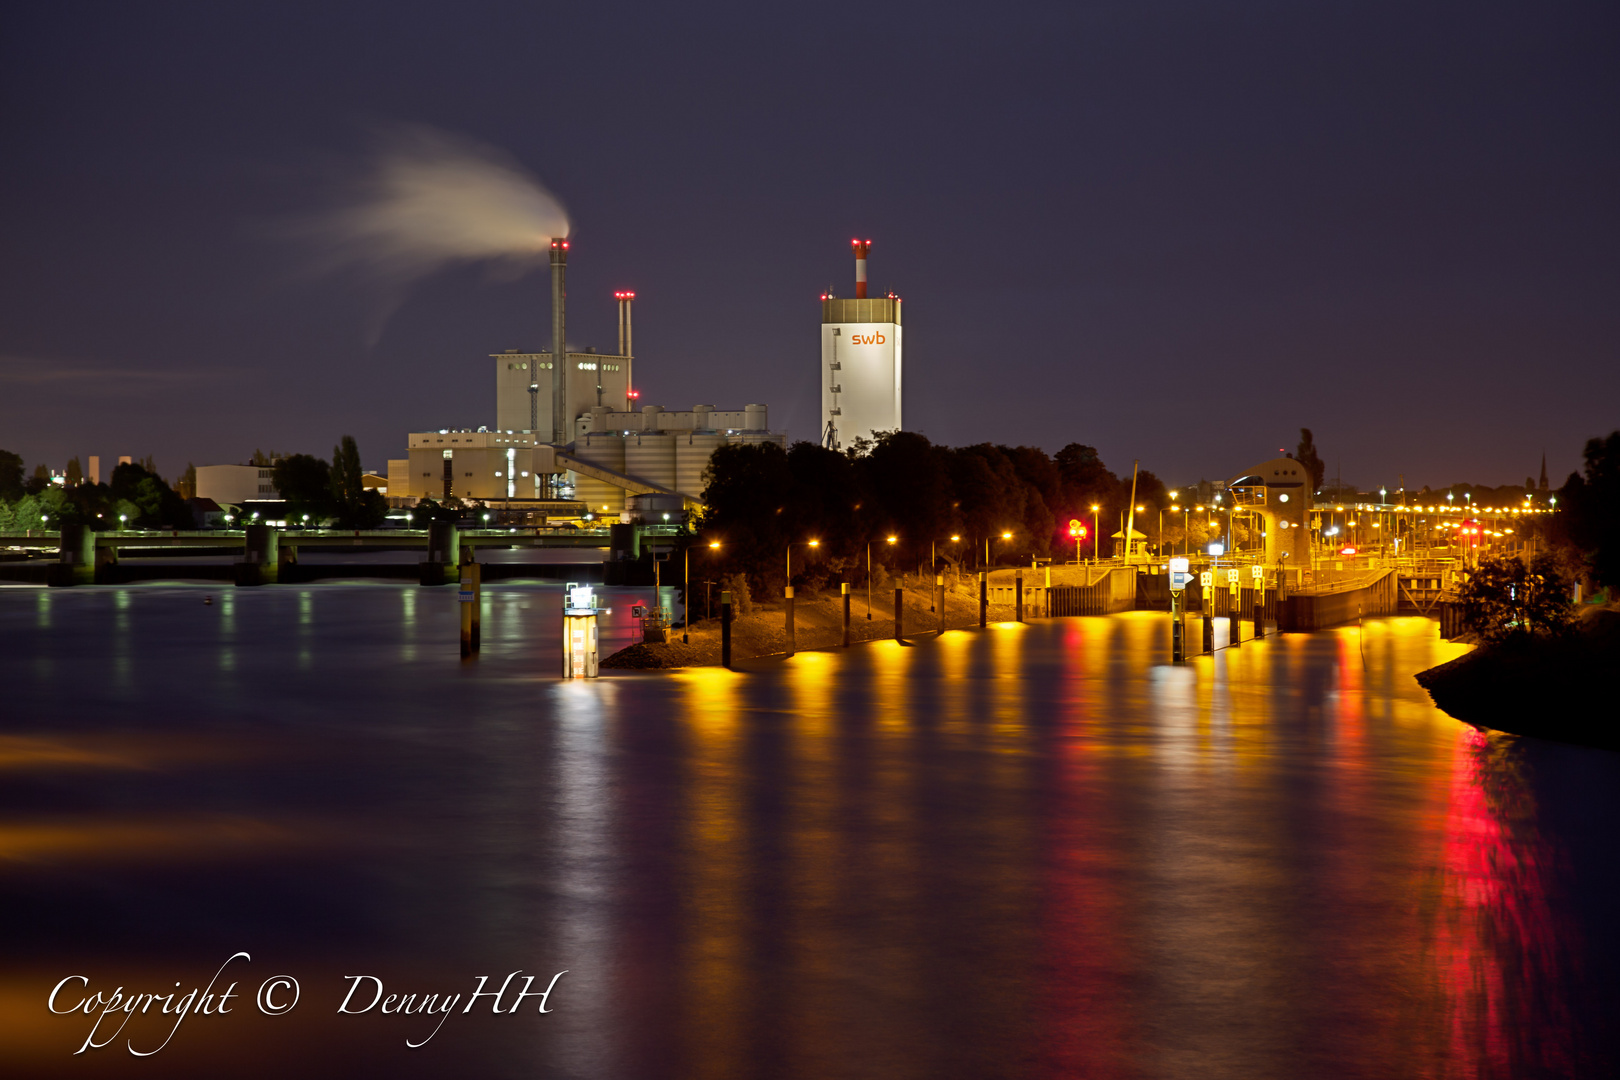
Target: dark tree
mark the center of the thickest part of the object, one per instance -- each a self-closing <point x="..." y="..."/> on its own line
<point x="749" y="489"/>
<point x="908" y="480"/>
<point x="305" y="482"/>
<point x="1591" y="505"/>
<point x="827" y="500"/>
<point x="356" y="507"/>
<point x="1042" y="482"/>
<point x="1306" y="455"/>
<point x="11" y="476"/>
<point x="154" y="503"/>
<point x="990" y="497"/>
<point x="1504" y="598"/>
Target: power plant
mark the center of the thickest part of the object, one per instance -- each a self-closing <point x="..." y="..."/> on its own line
<point x="860" y="362"/>
<point x="568" y="439"/>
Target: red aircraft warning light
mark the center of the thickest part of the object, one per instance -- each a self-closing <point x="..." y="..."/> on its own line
<point x="1470" y="533"/>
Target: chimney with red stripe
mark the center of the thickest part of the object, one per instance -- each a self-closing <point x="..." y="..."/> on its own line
<point x="860" y="247"/>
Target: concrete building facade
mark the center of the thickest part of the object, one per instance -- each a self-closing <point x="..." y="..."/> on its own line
<point x="233" y="485"/>
<point x="861" y="363"/>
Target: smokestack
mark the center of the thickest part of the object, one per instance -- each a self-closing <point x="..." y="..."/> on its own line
<point x="860" y="247"/>
<point x="626" y="343"/>
<point x="559" y="340"/>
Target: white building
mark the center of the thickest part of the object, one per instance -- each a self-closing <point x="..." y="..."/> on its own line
<point x="233" y="485"/>
<point x="860" y="363"/>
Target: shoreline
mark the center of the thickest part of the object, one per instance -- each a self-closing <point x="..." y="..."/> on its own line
<point x="1547" y="688"/>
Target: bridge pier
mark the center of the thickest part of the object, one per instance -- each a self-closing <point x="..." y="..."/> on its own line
<point x="443" y="554"/>
<point x="261" y="556"/>
<point x="76" y="564"/>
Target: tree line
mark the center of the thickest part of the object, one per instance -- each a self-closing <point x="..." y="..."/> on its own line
<point x="135" y="496"/>
<point x="760" y="499"/>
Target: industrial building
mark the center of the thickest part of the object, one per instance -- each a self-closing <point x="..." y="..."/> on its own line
<point x="860" y="362"/>
<point x="568" y="440"/>
<point x="233" y="485"/>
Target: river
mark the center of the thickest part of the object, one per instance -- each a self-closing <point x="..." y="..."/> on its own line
<point x="1030" y="851"/>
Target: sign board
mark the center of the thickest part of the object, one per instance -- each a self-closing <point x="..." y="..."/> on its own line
<point x="638" y="612"/>
<point x="1257" y="572"/>
<point x="1232" y="576"/>
<point x="1207" y="578"/>
<point x="1217" y="550"/>
<point x="1179" y="575"/>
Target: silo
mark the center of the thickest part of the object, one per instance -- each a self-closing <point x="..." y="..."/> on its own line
<point x="692" y="453"/>
<point x="651" y="457"/>
<point x="701" y="420"/>
<point x="755" y="418"/>
<point x="607" y="450"/>
<point x="650" y="420"/>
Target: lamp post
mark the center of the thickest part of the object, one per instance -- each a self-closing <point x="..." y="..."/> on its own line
<point x="791" y="543"/>
<point x="1004" y="536"/>
<point x="714" y="545"/>
<point x="891" y="540"/>
<point x="1096" y="536"/>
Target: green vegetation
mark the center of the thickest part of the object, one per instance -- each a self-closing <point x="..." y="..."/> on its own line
<point x="328" y="494"/>
<point x="761" y="498"/>
<point x="1504" y="598"/>
<point x="135" y="493"/>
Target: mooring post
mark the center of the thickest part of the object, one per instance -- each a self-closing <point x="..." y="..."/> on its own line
<point x="984" y="599"/>
<point x="1018" y="596"/>
<point x="1234" y="609"/>
<point x="1178" y="647"/>
<point x="899" y="611"/>
<point x="843" y="589"/>
<point x="468" y="598"/>
<point x="939" y="599"/>
<point x="725" y="628"/>
<point x="1206" y="604"/>
<point x="787" y="601"/>
<point x="477" y="605"/>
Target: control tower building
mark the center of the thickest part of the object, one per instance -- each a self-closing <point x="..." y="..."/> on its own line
<point x="860" y="362"/>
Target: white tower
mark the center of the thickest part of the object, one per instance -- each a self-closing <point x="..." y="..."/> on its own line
<point x="860" y="362"/>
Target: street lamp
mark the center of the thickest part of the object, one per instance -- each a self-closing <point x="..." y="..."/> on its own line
<point x="892" y="539"/>
<point x="1096" y="537"/>
<point x="806" y="543"/>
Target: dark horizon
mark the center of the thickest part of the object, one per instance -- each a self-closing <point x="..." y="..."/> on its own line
<point x="1135" y="227"/>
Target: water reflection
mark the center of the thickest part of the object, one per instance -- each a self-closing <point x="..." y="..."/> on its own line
<point x="1031" y="851"/>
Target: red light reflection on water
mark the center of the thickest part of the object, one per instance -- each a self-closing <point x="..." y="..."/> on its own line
<point x="1496" y="948"/>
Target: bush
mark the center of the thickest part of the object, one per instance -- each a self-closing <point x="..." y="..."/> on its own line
<point x="1504" y="598"/>
<point x="741" y="602"/>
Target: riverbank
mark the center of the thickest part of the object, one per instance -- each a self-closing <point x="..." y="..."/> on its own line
<point x="1557" y="688"/>
<point x="818" y="624"/>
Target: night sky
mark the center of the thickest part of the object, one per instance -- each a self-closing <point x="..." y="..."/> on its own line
<point x="1175" y="231"/>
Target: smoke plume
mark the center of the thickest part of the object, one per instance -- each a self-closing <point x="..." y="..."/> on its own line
<point x="425" y="199"/>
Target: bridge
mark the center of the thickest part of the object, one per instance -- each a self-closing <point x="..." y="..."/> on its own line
<point x="79" y="555"/>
